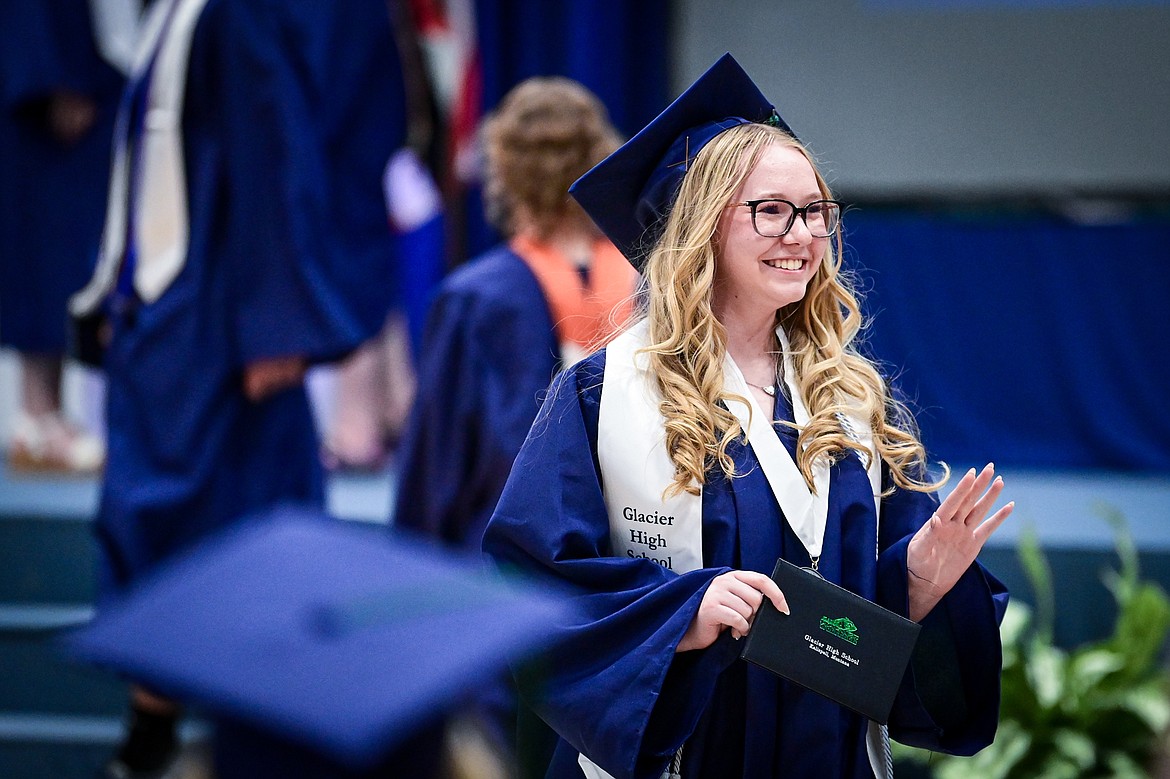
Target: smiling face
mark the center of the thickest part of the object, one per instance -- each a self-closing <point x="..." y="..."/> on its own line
<point x="755" y="276"/>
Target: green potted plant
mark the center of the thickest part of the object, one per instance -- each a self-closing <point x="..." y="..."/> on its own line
<point x="1100" y="710"/>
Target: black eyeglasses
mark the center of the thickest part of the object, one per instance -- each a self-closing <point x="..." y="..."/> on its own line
<point x="774" y="217"/>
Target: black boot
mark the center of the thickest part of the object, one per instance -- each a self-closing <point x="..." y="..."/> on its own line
<point x="150" y="748"/>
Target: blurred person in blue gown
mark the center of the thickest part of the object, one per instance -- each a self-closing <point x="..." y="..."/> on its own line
<point x="245" y="240"/>
<point x="373" y="389"/>
<point x="502" y="324"/>
<point x="736" y="423"/>
<point x="60" y="80"/>
<point x="505" y="322"/>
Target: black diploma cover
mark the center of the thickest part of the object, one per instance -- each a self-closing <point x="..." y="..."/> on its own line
<point x="834" y="642"/>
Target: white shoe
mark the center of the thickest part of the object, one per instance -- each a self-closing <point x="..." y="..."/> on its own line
<point x="47" y="443"/>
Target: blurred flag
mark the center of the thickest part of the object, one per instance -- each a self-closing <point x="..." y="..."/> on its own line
<point x="448" y="35"/>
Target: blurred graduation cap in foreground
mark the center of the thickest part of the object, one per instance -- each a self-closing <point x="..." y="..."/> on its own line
<point x="333" y="635"/>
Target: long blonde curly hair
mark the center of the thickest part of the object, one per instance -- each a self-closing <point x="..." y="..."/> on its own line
<point x="688" y="344"/>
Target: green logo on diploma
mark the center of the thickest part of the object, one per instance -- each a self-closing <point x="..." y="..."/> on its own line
<point x="842" y="627"/>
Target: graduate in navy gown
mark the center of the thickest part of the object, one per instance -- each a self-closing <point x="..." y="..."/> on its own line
<point x="58" y="97"/>
<point x="503" y="324"/>
<point x="246" y="239"/>
<point x="735" y="424"/>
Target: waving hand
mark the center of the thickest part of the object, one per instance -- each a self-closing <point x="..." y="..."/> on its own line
<point x="948" y="543"/>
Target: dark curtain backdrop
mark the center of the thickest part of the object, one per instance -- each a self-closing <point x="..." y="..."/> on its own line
<point x="618" y="49"/>
<point x="1023" y="339"/>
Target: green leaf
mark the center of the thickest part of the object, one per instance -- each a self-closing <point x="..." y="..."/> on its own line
<point x="1057" y="767"/>
<point x="1141" y="628"/>
<point x="1122" y="766"/>
<point x="1150" y="704"/>
<point x="1076" y="748"/>
<point x="1016" y="621"/>
<point x="1126" y="552"/>
<point x="1088" y="667"/>
<point x="903" y="753"/>
<point x="1039" y="574"/>
<point x="1046" y="674"/>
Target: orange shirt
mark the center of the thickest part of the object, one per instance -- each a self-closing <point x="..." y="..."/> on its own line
<point x="587" y="308"/>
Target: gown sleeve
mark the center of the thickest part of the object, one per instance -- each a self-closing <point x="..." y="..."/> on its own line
<point x="600" y="684"/>
<point x="949" y="697"/>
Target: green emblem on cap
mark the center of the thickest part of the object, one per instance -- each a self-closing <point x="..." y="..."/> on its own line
<point x="842" y="627"/>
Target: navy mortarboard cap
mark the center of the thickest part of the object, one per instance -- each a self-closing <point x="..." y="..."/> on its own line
<point x="629" y="193"/>
<point x="329" y="634"/>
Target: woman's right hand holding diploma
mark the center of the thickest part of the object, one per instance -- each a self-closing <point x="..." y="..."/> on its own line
<point x="730" y="602"/>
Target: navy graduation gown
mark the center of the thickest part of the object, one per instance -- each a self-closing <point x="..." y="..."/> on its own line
<point x="291" y="111"/>
<point x="52" y="192"/>
<point x="614" y="688"/>
<point x="488" y="354"/>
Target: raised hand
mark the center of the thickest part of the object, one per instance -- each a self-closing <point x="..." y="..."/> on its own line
<point x="731" y="601"/>
<point x="949" y="542"/>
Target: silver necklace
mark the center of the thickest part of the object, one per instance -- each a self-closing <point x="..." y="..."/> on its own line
<point x="769" y="390"/>
<point x="774" y="387"/>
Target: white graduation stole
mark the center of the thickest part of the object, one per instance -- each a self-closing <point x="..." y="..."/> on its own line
<point x="116" y="28"/>
<point x="636" y="469"/>
<point x="160" y="207"/>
